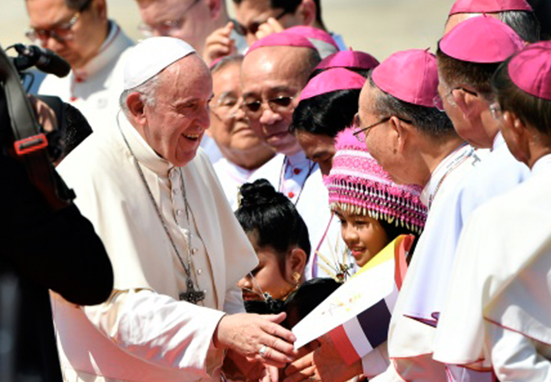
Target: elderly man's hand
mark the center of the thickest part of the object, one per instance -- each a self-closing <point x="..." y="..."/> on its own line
<point x="219" y="44"/>
<point x="257" y="337"/>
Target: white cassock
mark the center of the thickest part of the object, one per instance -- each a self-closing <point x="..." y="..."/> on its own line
<point x="498" y="314"/>
<point x="300" y="179"/>
<point x="144" y="333"/>
<point x="410" y="342"/>
<point x="95" y="88"/>
<point x="232" y="177"/>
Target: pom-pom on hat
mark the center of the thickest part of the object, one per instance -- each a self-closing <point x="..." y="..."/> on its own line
<point x="350" y="59"/>
<point x="482" y="40"/>
<point x="409" y="75"/>
<point x="332" y="80"/>
<point x="357" y="184"/>
<point x="151" y="56"/>
<point x="530" y="70"/>
<point x="489" y="6"/>
<point x="282" y="39"/>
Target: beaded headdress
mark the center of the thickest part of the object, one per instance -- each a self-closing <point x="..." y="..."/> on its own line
<point x="357" y="184"/>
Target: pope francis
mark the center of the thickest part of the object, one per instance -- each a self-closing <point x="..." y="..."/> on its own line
<point x="176" y="248"/>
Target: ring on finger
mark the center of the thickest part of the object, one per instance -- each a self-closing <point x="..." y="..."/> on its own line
<point x="263" y="350"/>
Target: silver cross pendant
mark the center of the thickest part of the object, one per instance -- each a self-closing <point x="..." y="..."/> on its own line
<point x="192" y="295"/>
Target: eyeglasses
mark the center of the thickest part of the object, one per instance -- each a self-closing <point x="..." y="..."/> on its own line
<point x="495" y="109"/>
<point x="166" y="28"/>
<point x="359" y="130"/>
<point x="279" y="105"/>
<point x="227" y="106"/>
<point x="61" y="33"/>
<point x="439" y="101"/>
<point x="253" y="27"/>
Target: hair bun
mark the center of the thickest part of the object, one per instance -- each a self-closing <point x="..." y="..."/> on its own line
<point x="258" y="193"/>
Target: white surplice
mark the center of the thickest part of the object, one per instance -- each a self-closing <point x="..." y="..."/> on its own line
<point x="301" y="181"/>
<point x="410" y="342"/>
<point x="95" y="88"/>
<point x="144" y="333"/>
<point x="231" y="177"/>
<point x="498" y="312"/>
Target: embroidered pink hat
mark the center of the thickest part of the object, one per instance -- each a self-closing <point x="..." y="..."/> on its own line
<point x="351" y="59"/>
<point x="332" y="80"/>
<point x="489" y="6"/>
<point x="358" y="185"/>
<point x="314" y="35"/>
<point x="482" y="40"/>
<point x="282" y="39"/>
<point x="409" y="75"/>
<point x="530" y="70"/>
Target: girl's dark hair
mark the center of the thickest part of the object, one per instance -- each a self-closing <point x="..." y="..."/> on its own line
<point x="272" y="220"/>
<point x="326" y="114"/>
<point x="532" y="111"/>
<point x="306" y="298"/>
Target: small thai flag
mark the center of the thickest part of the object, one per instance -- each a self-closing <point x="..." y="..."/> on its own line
<point x="357" y="315"/>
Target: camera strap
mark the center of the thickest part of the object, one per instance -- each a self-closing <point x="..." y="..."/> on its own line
<point x="29" y="142"/>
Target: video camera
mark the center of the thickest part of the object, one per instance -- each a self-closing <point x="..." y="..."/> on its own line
<point x="27" y="141"/>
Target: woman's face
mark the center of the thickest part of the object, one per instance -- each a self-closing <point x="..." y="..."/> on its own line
<point x="267" y="277"/>
<point x="364" y="236"/>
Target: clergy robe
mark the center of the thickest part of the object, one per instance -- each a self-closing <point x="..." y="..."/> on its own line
<point x="498" y="314"/>
<point x="410" y="342"/>
<point x="231" y="177"/>
<point x="144" y="333"/>
<point x="305" y="188"/>
<point x="95" y="88"/>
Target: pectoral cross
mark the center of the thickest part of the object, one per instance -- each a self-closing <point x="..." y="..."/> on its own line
<point x="192" y="295"/>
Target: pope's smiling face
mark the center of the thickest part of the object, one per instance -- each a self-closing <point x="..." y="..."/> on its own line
<point x="174" y="124"/>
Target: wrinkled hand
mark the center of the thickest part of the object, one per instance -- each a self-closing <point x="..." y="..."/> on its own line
<point x="323" y="364"/>
<point x="219" y="44"/>
<point x="247" y="333"/>
<point x="269" y="27"/>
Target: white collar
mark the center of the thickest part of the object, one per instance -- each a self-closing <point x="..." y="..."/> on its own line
<point x="448" y="164"/>
<point x="235" y="171"/>
<point x="111" y="48"/>
<point x="143" y="152"/>
<point x="542" y="165"/>
<point x="498" y="141"/>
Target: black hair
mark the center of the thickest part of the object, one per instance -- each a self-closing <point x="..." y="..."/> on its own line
<point x="290" y="6"/>
<point x="272" y="220"/>
<point x="429" y="120"/>
<point x="326" y="114"/>
<point x="306" y="298"/>
<point x="78" y="5"/>
<point x="455" y="72"/>
<point x="526" y="24"/>
<point x="532" y="111"/>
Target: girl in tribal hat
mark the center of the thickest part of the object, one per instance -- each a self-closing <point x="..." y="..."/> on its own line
<point x="373" y="210"/>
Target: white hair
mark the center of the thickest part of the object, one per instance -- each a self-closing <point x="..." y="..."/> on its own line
<point x="147" y="92"/>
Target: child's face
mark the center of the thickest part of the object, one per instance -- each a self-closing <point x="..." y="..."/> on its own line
<point x="267" y="277"/>
<point x="364" y="236"/>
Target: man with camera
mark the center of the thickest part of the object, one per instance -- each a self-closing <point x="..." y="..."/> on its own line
<point x="80" y="32"/>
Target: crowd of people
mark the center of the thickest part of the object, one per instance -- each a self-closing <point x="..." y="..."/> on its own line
<point x="241" y="170"/>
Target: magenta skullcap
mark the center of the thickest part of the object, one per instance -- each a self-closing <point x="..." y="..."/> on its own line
<point x="409" y="75"/>
<point x="482" y="40"/>
<point x="282" y="39"/>
<point x="332" y="80"/>
<point x="530" y="70"/>
<point x="350" y="59"/>
<point x="489" y="6"/>
<point x="357" y="184"/>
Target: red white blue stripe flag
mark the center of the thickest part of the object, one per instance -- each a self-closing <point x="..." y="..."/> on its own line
<point x="357" y="315"/>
